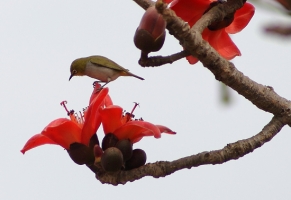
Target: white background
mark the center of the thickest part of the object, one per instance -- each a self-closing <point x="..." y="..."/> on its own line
<point x="38" y="42"/>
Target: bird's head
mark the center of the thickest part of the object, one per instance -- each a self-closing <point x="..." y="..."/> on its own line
<point x="78" y="67"/>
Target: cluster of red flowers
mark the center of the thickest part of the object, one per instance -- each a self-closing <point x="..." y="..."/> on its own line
<point x="78" y="134"/>
<point x="80" y="129"/>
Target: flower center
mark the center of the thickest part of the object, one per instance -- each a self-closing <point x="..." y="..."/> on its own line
<point x="79" y="119"/>
<point x="128" y="116"/>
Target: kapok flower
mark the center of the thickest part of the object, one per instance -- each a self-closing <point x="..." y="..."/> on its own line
<point x="77" y="129"/>
<point x="125" y="127"/>
<point x="216" y="34"/>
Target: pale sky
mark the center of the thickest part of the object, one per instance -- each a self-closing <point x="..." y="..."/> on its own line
<point x="38" y="42"/>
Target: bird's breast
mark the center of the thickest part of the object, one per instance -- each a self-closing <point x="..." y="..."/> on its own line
<point x="101" y="73"/>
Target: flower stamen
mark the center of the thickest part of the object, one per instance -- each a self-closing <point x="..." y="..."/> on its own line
<point x="135" y="105"/>
<point x="82" y="117"/>
<point x="63" y="103"/>
<point x="130" y="115"/>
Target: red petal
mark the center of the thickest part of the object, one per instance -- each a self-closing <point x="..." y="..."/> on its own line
<point x="135" y="130"/>
<point x="136" y="140"/>
<point x="35" y="141"/>
<point x="192" y="60"/>
<point x="95" y="92"/>
<point x="108" y="101"/>
<point x="63" y="132"/>
<point x="241" y="18"/>
<point x="222" y="43"/>
<point x="164" y="129"/>
<point x="93" y="118"/>
<point x="111" y="118"/>
<point x="190" y="10"/>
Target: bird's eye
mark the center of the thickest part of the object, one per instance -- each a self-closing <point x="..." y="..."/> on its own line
<point x="74" y="71"/>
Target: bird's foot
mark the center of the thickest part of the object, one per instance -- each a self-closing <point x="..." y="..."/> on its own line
<point x="97" y="84"/>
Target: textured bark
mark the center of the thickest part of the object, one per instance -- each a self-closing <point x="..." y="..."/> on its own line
<point x="231" y="151"/>
<point x="264" y="97"/>
<point x="157" y="61"/>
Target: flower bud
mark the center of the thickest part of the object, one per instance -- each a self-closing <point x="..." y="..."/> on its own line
<point x="93" y="141"/>
<point x="150" y="34"/>
<point x="81" y="154"/>
<point x="137" y="159"/>
<point x="125" y="146"/>
<point x="109" y="140"/>
<point x="112" y="159"/>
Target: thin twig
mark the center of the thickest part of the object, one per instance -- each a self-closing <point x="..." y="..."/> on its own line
<point x="155" y="61"/>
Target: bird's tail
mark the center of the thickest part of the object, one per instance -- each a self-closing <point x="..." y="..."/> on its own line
<point x="137" y="76"/>
<point x="131" y="74"/>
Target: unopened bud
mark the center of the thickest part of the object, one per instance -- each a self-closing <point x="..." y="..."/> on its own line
<point x="112" y="159"/>
<point x="125" y="146"/>
<point x="150" y="34"/>
<point x="81" y="154"/>
<point x="109" y="140"/>
<point x="137" y="159"/>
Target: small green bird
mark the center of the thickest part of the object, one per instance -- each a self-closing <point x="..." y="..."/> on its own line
<point x="99" y="67"/>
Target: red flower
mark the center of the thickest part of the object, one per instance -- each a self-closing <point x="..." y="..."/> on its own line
<point x="124" y="127"/>
<point x="192" y="10"/>
<point x="65" y="132"/>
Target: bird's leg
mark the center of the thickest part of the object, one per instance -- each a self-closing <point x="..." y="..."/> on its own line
<point x="98" y="90"/>
<point x="104" y="85"/>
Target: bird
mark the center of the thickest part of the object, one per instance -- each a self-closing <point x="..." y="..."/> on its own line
<point x="100" y="68"/>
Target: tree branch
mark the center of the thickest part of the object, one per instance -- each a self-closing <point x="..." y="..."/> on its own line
<point x="156" y="61"/>
<point x="264" y="97"/>
<point x="144" y="3"/>
<point x="232" y="151"/>
<point x="281" y="30"/>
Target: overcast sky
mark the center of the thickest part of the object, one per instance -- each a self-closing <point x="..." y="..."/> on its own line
<point x="38" y="42"/>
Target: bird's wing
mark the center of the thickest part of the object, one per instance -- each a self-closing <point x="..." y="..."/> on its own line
<point x="105" y="62"/>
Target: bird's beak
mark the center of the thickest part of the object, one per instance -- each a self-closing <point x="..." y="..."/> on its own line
<point x="71" y="76"/>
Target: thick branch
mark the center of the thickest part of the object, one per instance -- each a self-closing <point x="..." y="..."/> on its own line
<point x="232" y="151"/>
<point x="262" y="96"/>
<point x="217" y="14"/>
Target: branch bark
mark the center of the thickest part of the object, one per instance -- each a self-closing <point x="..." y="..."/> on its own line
<point x="156" y="61"/>
<point x="159" y="169"/>
<point x="264" y="97"/>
